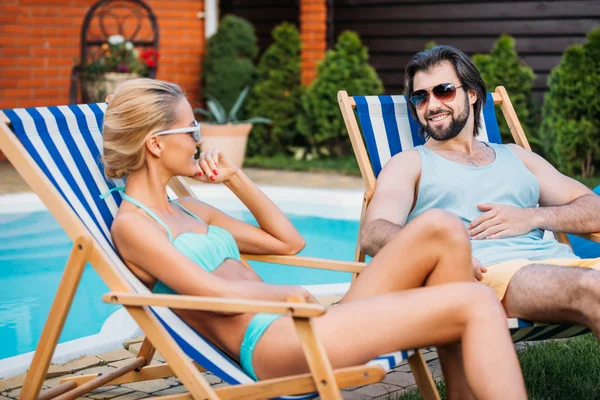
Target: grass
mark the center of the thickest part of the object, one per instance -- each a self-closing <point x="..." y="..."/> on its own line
<point x="341" y="165"/>
<point x="556" y="369"/>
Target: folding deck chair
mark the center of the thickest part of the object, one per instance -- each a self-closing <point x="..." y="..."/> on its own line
<point x="388" y="128"/>
<point x="57" y="151"/>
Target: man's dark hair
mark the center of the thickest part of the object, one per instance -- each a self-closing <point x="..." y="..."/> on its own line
<point x="469" y="77"/>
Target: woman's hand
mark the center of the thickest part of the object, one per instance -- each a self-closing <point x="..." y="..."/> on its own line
<point x="214" y="167"/>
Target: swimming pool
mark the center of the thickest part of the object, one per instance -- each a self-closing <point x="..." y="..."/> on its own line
<point x="34" y="249"/>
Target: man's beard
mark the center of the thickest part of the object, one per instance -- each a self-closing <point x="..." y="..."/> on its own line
<point x="455" y="127"/>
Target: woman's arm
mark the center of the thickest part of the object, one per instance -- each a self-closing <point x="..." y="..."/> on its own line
<point x="276" y="234"/>
<point x="141" y="242"/>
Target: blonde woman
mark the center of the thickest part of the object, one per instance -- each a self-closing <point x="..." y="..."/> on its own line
<point x="191" y="248"/>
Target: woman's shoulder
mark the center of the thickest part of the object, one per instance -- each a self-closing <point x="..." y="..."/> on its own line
<point x="202" y="210"/>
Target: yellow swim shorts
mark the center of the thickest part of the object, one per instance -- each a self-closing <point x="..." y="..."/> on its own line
<point x="498" y="276"/>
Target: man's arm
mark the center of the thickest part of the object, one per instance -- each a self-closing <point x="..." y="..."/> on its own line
<point x="391" y="202"/>
<point x="565" y="206"/>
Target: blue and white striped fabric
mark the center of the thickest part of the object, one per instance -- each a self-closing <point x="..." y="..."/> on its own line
<point x="66" y="143"/>
<point x="389" y="128"/>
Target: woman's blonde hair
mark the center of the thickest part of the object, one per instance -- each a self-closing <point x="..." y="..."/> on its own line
<point x="138" y="108"/>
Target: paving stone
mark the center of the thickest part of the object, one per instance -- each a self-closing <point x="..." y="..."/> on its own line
<point x="128" y="343"/>
<point x="13" y="394"/>
<point x="4" y="398"/>
<point x="57" y="370"/>
<point x="83" y="363"/>
<point x="432" y="355"/>
<point x="12" y="383"/>
<point x="132" y="396"/>
<point x="109" y="394"/>
<point x="376" y="390"/>
<point x="115" y="355"/>
<point x="401" y="379"/>
<point x="135" y="348"/>
<point x="149" y="386"/>
<point x="346" y="395"/>
<point x="172" y="390"/>
<point x="212" y="379"/>
<point x="404" y="367"/>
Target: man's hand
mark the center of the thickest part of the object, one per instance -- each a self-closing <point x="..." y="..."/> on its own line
<point x="499" y="221"/>
<point x="478" y="269"/>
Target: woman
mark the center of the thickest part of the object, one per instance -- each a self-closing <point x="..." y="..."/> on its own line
<point x="191" y="248"/>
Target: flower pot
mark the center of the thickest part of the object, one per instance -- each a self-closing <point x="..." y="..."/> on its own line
<point x="230" y="138"/>
<point x="96" y="90"/>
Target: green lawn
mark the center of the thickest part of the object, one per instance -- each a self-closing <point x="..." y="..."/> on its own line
<point x="342" y="165"/>
<point x="556" y="369"/>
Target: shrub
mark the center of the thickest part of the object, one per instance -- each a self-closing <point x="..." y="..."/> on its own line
<point x="502" y="67"/>
<point x="277" y="94"/>
<point x="229" y="61"/>
<point x="571" y="112"/>
<point x="345" y="68"/>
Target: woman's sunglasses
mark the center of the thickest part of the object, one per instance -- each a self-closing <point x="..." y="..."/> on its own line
<point x="194" y="130"/>
<point x="443" y="92"/>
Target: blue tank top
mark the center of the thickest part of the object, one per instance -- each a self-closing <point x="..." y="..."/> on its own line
<point x="459" y="188"/>
<point x="208" y="250"/>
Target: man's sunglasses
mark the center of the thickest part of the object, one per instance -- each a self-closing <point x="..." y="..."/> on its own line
<point x="443" y="92"/>
<point x="194" y="130"/>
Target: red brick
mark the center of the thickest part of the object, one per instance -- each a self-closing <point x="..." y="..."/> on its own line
<point x="15" y="51"/>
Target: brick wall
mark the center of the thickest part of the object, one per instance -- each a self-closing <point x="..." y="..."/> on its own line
<point x="39" y="44"/>
<point x="313" y="31"/>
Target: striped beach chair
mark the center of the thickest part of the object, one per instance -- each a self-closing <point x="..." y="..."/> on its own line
<point x="57" y="151"/>
<point x="388" y="128"/>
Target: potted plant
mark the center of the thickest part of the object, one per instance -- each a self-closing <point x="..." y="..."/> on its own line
<point x="117" y="62"/>
<point x="223" y="130"/>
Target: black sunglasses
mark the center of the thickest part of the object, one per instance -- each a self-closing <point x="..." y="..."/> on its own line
<point x="442" y="92"/>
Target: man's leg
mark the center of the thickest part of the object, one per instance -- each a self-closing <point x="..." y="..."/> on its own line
<point x="553" y="293"/>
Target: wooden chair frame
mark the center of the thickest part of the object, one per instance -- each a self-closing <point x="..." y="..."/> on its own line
<point x="322" y="378"/>
<point x="347" y="106"/>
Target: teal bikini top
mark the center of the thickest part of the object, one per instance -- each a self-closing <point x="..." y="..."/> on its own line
<point x="208" y="250"/>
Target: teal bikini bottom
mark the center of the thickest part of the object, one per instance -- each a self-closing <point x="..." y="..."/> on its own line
<point x="256" y="328"/>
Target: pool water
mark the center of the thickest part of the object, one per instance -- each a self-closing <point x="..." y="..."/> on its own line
<point x="34" y="250"/>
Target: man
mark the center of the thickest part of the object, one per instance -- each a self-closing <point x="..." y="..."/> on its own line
<point x="495" y="190"/>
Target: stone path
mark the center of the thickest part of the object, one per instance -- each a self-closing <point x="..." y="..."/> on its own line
<point x="396" y="382"/>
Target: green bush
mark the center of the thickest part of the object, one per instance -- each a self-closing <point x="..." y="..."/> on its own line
<point x="345" y="68"/>
<point x="502" y="67"/>
<point x="229" y="61"/>
<point x="571" y="112"/>
<point x="277" y="94"/>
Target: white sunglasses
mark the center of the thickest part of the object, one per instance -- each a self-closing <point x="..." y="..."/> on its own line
<point x="188" y="129"/>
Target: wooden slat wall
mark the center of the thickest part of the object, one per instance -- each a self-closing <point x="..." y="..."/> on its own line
<point x="263" y="14"/>
<point x="394" y="30"/>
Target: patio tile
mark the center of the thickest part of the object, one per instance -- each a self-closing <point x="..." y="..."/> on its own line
<point x="432" y="355"/>
<point x="172" y="390"/>
<point x="110" y="394"/>
<point x="132" y="396"/>
<point x="115" y="355"/>
<point x="57" y="370"/>
<point x="401" y="379"/>
<point x="138" y="339"/>
<point x="149" y="386"/>
<point x="83" y="363"/>
<point x="134" y="348"/>
<point x="12" y="383"/>
<point x="376" y="390"/>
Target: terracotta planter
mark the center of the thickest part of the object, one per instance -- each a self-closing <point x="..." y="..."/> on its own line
<point x="95" y="91"/>
<point x="231" y="138"/>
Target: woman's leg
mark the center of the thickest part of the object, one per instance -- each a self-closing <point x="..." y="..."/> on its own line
<point x="467" y="312"/>
<point x="432" y="249"/>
